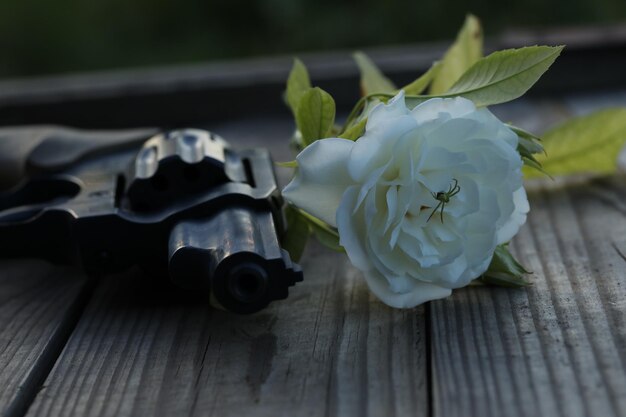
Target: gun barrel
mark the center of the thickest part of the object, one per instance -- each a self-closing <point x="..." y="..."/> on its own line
<point x="235" y="255"/>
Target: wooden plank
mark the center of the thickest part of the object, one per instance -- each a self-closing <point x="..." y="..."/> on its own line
<point x="331" y="349"/>
<point x="557" y="348"/>
<point x="38" y="305"/>
<point x="142" y="348"/>
<point x="188" y="95"/>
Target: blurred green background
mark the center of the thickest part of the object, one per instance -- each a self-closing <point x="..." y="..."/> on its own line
<point x="47" y="36"/>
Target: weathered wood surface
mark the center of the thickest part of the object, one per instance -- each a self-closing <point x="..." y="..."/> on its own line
<point x="557" y="348"/>
<point x="330" y="349"/>
<point x="193" y="94"/>
<point x="38" y="304"/>
<point x="142" y="348"/>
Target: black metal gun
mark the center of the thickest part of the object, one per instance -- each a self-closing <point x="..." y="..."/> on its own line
<point x="181" y="201"/>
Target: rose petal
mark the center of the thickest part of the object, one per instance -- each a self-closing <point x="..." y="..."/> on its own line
<point x="439" y="108"/>
<point x="394" y="108"/>
<point x="384" y="212"/>
<point x="517" y="219"/>
<point x="504" y="134"/>
<point x="385" y="122"/>
<point x="348" y="223"/>
<point x="374" y="149"/>
<point x="418" y="292"/>
<point x="321" y="178"/>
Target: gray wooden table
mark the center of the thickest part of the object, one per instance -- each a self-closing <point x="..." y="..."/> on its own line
<point x="125" y="346"/>
<point x="121" y="345"/>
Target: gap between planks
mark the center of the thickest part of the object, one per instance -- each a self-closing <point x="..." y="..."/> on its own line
<point x="557" y="348"/>
<point x="329" y="349"/>
<point x="24" y="389"/>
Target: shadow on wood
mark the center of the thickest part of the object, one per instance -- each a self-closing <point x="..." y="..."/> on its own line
<point x="329" y="349"/>
<point x="558" y="347"/>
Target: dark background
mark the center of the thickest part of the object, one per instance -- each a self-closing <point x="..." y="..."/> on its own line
<point x="50" y="37"/>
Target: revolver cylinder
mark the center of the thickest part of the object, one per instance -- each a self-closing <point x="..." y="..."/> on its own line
<point x="183" y="203"/>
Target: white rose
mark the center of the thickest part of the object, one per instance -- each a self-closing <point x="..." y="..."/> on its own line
<point x="381" y="192"/>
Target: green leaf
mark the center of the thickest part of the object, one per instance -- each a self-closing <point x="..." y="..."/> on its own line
<point x="500" y="77"/>
<point x="528" y="145"/>
<point x="325" y="234"/>
<point x="505" y="75"/>
<point x="418" y="86"/>
<point x="532" y="163"/>
<point x="356" y="131"/>
<point x="315" y="115"/>
<point x="464" y="52"/>
<point x="584" y="144"/>
<point x="504" y="270"/>
<point x="330" y="240"/>
<point x="530" y="142"/>
<point x="504" y="262"/>
<point x="298" y="83"/>
<point x="298" y="230"/>
<point x="524" y="134"/>
<point x="503" y="280"/>
<point x="287" y="164"/>
<point x="372" y="79"/>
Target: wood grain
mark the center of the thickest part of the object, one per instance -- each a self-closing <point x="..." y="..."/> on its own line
<point x="38" y="304"/>
<point x="557" y="348"/>
<point x="193" y="94"/>
<point x="142" y="348"/>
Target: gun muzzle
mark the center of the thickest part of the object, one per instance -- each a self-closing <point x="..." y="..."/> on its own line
<point x="236" y="256"/>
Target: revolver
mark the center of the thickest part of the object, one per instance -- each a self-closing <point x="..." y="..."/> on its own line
<point x="180" y="203"/>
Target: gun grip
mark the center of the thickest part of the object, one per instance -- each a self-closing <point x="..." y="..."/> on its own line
<point x="31" y="151"/>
